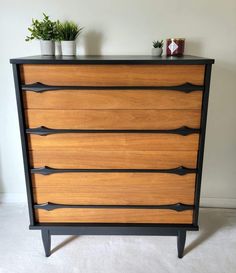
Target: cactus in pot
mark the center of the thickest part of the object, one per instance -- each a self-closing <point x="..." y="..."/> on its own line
<point x="157" y="48"/>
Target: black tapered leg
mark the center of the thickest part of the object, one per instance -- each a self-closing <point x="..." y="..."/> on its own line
<point x="181" y="238"/>
<point x="46" y="237"/>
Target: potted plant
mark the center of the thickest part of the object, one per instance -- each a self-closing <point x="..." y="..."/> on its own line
<point x="157" y="48"/>
<point x="47" y="32"/>
<point x="68" y="33"/>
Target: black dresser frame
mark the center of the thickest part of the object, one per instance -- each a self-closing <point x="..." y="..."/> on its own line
<point x="49" y="229"/>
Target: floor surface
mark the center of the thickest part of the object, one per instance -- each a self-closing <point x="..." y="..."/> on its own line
<point x="211" y="250"/>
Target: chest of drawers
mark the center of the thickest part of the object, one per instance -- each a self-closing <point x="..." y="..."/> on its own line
<point x="114" y="144"/>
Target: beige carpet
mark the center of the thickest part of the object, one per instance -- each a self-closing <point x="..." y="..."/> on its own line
<point x="211" y="250"/>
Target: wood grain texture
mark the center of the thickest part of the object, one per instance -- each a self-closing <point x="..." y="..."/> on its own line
<point x="77" y="215"/>
<point x="114" y="188"/>
<point x="112" y="99"/>
<point x="113" y="159"/>
<point x="113" y="109"/>
<point x="113" y="119"/>
<point x="114" y="142"/>
<point x="112" y="75"/>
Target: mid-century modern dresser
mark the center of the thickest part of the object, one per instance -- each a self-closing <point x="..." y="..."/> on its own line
<point x="113" y="144"/>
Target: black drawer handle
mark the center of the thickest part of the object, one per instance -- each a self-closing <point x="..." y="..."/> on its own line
<point x="40" y="87"/>
<point x="178" y="171"/>
<point x="44" y="131"/>
<point x="177" y="207"/>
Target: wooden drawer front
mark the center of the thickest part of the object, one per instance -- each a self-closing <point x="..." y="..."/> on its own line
<point x="114" y="142"/>
<point x="112" y="99"/>
<point x="113" y="159"/>
<point x="114" y="188"/>
<point x="113" y="75"/>
<point x="113" y="119"/>
<point x="78" y="215"/>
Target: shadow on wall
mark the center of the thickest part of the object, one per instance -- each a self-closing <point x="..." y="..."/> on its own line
<point x="1" y="182"/>
<point x="93" y="42"/>
<point x="194" y="47"/>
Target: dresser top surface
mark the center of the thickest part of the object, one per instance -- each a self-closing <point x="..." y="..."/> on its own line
<point x="111" y="59"/>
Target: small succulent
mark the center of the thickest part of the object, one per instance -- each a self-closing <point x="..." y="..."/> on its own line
<point x="157" y="44"/>
<point x="43" y="30"/>
<point x="68" y="31"/>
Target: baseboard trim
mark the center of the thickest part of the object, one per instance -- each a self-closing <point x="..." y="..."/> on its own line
<point x="13" y="198"/>
<point x="212" y="202"/>
<point x="205" y="201"/>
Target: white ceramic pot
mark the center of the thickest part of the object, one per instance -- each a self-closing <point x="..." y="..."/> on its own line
<point x="68" y="48"/>
<point x="157" y="51"/>
<point x="47" y="47"/>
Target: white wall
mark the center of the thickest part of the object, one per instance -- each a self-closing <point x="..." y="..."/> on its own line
<point x="128" y="27"/>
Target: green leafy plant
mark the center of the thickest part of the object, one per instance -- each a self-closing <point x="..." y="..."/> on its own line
<point x="157" y="44"/>
<point x="43" y="30"/>
<point x="68" y="31"/>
